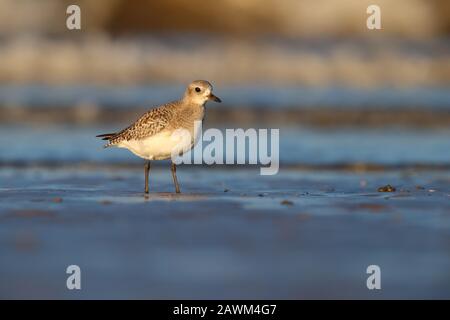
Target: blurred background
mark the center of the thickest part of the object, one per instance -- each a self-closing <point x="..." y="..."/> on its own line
<point x="309" y="67"/>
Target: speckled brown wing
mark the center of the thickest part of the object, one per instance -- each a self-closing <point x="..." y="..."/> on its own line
<point x="150" y="123"/>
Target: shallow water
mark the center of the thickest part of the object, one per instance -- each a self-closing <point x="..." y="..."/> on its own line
<point x="231" y="234"/>
<point x="309" y="146"/>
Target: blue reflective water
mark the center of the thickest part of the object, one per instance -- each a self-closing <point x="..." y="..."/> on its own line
<point x="297" y="145"/>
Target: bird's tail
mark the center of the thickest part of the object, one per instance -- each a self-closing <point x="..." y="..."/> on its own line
<point x="108" y="137"/>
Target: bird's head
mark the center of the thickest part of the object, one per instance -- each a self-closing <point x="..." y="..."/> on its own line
<point x="200" y="92"/>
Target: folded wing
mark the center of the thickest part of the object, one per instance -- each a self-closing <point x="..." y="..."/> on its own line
<point x="150" y="123"/>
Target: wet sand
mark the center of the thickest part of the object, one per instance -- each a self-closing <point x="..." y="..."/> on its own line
<point x="231" y="234"/>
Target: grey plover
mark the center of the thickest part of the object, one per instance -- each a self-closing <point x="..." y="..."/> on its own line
<point x="154" y="135"/>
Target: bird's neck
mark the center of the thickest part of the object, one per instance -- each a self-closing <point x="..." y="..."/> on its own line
<point x="191" y="107"/>
<point x="194" y="102"/>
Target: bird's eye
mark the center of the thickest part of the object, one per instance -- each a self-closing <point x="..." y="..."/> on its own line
<point x="197" y="89"/>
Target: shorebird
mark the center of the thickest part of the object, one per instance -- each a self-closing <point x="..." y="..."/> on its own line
<point x="154" y="135"/>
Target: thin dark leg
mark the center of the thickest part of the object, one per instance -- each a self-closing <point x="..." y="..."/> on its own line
<point x="174" y="176"/>
<point x="147" y="171"/>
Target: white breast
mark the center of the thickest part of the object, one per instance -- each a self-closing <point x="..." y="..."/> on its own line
<point x="163" y="145"/>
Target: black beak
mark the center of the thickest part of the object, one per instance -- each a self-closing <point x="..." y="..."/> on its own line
<point x="214" y="98"/>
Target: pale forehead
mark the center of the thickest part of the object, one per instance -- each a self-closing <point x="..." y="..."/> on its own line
<point x="201" y="83"/>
